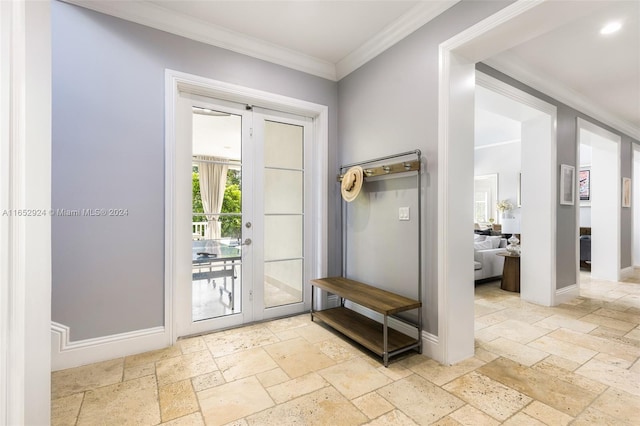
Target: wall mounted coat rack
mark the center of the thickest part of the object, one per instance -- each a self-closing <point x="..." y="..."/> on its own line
<point x="386" y="169"/>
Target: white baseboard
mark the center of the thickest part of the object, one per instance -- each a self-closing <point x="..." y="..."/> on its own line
<point x="431" y="347"/>
<point x="392" y="322"/>
<point x="67" y="354"/>
<point x="333" y="301"/>
<point x="566" y="294"/>
<point x="626" y="272"/>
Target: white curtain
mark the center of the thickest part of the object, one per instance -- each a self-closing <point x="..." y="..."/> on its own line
<point x="213" y="180"/>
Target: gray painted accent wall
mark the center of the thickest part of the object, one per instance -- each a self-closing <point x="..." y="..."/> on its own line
<point x="567" y="146"/>
<point x="108" y="152"/>
<point x="390" y="105"/>
<point x="369" y="245"/>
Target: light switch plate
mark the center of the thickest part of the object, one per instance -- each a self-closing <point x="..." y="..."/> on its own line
<point x="403" y="213"/>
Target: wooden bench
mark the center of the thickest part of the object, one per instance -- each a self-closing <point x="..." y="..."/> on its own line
<point x="378" y="338"/>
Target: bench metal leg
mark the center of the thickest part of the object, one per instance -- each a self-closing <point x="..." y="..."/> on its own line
<point x="385" y="347"/>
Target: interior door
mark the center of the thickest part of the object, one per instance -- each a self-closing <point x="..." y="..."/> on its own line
<point x="241" y="254"/>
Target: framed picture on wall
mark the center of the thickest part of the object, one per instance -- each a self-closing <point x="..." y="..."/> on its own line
<point x="584" y="185"/>
<point x="567" y="185"/>
<point x="626" y="192"/>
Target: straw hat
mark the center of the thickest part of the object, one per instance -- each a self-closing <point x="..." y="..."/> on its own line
<point x="352" y="183"/>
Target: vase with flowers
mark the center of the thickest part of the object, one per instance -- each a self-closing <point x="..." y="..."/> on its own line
<point x="504" y="207"/>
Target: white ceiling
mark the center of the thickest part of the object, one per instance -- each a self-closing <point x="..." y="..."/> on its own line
<point x="576" y="62"/>
<point x="329" y="31"/>
<point x="331" y="38"/>
<point x="217" y="136"/>
<point x="494" y="125"/>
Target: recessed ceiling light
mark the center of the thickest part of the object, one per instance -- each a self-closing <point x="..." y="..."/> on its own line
<point x="610" y="28"/>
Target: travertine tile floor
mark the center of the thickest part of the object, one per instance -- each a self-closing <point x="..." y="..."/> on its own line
<point x="572" y="364"/>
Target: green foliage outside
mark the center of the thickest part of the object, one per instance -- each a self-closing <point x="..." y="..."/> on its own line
<point x="197" y="198"/>
<point x="232" y="203"/>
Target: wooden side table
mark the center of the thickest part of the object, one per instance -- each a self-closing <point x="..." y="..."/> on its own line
<point x="510" y="273"/>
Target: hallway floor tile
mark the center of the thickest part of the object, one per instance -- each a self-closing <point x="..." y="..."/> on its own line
<point x="577" y="363"/>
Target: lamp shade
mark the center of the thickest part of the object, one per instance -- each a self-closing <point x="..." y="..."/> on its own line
<point x="510" y="225"/>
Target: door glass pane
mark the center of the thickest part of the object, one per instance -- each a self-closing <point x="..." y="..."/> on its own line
<point x="282" y="191"/>
<point x="283" y="214"/>
<point x="282" y="282"/>
<point x="282" y="237"/>
<point x="217" y="214"/>
<point x="283" y="145"/>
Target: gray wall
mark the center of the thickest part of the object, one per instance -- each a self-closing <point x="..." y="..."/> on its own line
<point x="108" y="152"/>
<point x="369" y="243"/>
<point x="567" y="148"/>
<point x="390" y="105"/>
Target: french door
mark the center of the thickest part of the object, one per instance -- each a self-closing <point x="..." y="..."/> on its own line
<point x="242" y="253"/>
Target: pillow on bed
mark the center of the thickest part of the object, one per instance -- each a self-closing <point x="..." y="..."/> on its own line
<point x="477" y="237"/>
<point x="483" y="245"/>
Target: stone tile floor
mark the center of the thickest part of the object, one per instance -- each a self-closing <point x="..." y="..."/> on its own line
<point x="575" y="363"/>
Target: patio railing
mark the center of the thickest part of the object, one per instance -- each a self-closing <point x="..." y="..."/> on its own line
<point x="199" y="229"/>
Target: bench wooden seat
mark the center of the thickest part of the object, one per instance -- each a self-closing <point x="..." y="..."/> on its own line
<point x="375" y="336"/>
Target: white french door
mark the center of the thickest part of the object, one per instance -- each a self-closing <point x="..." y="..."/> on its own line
<point x="242" y="210"/>
<point x="282" y="213"/>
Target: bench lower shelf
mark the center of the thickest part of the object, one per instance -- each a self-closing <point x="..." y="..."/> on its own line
<point x="365" y="331"/>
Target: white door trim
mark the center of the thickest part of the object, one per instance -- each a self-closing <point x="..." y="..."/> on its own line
<point x="457" y="57"/>
<point x="25" y="189"/>
<point x="176" y="82"/>
<point x="12" y="193"/>
<point x="615" y="222"/>
<point x="635" y="207"/>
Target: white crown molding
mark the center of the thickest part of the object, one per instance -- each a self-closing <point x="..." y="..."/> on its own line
<point x="154" y="16"/>
<point x="157" y="17"/>
<point x="415" y="18"/>
<point x="510" y="65"/>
